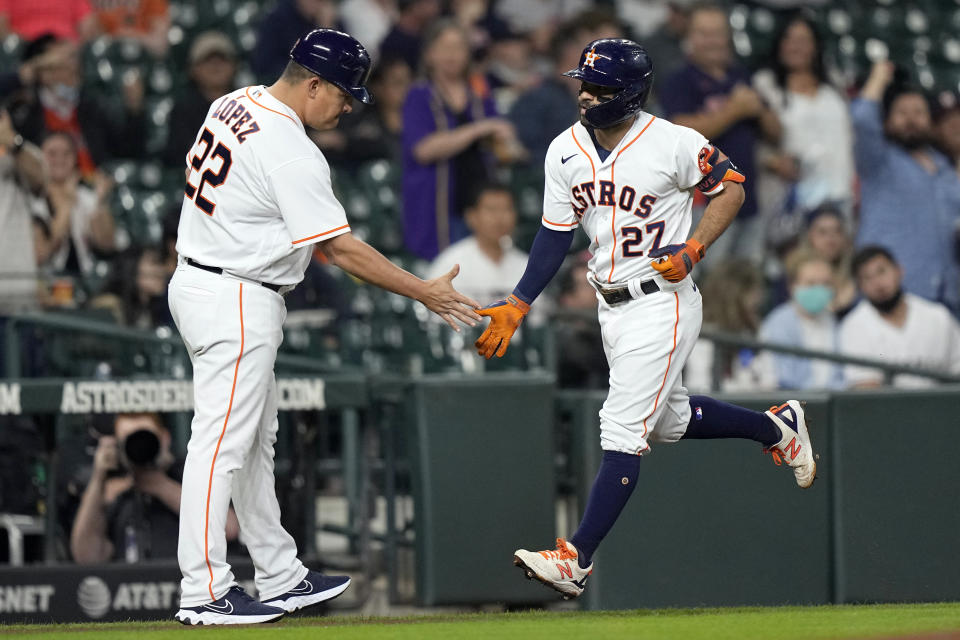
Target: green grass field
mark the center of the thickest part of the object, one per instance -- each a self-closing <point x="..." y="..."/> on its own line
<point x="767" y="623"/>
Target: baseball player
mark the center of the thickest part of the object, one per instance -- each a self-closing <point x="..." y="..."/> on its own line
<point x="627" y="178"/>
<point x="257" y="200"/>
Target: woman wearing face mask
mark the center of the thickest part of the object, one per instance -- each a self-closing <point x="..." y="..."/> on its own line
<point x="805" y="321"/>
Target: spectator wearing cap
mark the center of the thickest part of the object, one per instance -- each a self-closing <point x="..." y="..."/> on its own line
<point x="897" y="327"/>
<point x="288" y="21"/>
<point x="102" y="128"/>
<point x="405" y="39"/>
<point x="213" y="66"/>
<point x="910" y="192"/>
<point x="144" y="21"/>
<point x="30" y="19"/>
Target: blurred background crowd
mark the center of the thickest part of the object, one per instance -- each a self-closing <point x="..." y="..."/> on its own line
<point x="843" y="115"/>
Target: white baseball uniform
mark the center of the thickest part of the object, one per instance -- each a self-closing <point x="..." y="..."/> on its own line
<point x="639" y="198"/>
<point x="258" y="197"/>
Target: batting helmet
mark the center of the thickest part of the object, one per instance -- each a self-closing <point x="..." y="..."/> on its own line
<point x="615" y="62"/>
<point x="337" y="58"/>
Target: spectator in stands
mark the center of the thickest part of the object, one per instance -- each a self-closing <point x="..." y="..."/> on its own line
<point x="541" y="113"/>
<point x="213" y="67"/>
<point x="895" y="326"/>
<point x="80" y="222"/>
<point x="805" y="322"/>
<point x="144" y="21"/>
<point x="371" y="132"/>
<point x="369" y="21"/>
<point x="827" y="237"/>
<point x="711" y="94"/>
<point x="283" y="25"/>
<point x="487" y="258"/>
<point x="21" y="179"/>
<point x="539" y="19"/>
<point x="449" y="135"/>
<point x="910" y="192"/>
<point x="733" y="295"/>
<point x="509" y="67"/>
<point x="813" y="163"/>
<point x="948" y="128"/>
<point x="581" y="362"/>
<point x="59" y="102"/>
<point x="405" y="39"/>
<point x="664" y="44"/>
<point x="137" y="292"/>
<point x="68" y="19"/>
<point x="130" y="508"/>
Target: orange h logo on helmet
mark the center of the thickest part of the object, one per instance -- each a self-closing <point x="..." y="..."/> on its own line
<point x="590" y="58"/>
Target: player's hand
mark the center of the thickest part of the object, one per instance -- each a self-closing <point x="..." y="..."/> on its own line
<point x="505" y="316"/>
<point x="448" y="303"/>
<point x="675" y="261"/>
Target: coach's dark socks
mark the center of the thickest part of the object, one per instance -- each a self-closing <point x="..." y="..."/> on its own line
<point x="611" y="490"/>
<point x="714" y="419"/>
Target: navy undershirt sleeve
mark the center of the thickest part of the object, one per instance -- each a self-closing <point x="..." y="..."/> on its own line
<point x="546" y="255"/>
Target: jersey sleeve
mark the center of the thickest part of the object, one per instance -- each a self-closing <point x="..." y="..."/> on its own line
<point x="689" y="158"/>
<point x="305" y="198"/>
<point x="558" y="213"/>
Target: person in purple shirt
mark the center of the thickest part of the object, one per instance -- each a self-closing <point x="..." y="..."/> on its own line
<point x="450" y="132"/>
<point x="910" y="193"/>
<point x="711" y="94"/>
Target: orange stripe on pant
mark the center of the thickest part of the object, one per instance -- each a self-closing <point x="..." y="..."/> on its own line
<point x="206" y="517"/>
<point x="669" y="360"/>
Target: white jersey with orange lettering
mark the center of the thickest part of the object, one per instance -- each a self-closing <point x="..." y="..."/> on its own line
<point x="256" y="200"/>
<point x="258" y="191"/>
<point x="638" y="198"/>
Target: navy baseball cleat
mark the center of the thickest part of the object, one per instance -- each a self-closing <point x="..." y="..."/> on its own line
<point x="313" y="589"/>
<point x="237" y="607"/>
<point x="794" y="447"/>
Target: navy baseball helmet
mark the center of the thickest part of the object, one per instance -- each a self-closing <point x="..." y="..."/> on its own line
<point x="618" y="63"/>
<point x="336" y="57"/>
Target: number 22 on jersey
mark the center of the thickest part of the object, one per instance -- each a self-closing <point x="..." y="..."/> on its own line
<point x="208" y="176"/>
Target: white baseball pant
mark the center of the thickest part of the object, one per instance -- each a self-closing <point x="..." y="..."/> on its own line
<point x="647" y="341"/>
<point x="232" y="329"/>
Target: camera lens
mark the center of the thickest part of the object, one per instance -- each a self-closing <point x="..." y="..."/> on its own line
<point x="142" y="447"/>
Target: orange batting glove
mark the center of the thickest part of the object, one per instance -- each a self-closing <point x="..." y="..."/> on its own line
<point x="505" y="316"/>
<point x="677" y="260"/>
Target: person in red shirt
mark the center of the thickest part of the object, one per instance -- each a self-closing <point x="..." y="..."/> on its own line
<point x="68" y="19"/>
<point x="146" y="21"/>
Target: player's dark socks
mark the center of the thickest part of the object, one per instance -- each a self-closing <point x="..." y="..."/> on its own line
<point x="714" y="419"/>
<point x="611" y="490"/>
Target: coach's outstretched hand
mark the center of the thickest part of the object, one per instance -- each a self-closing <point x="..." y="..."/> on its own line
<point x="505" y="316"/>
<point x="448" y="303"/>
<point x="677" y="260"/>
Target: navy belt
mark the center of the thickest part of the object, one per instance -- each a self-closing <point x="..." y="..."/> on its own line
<point x="218" y="271"/>
<point x="617" y="293"/>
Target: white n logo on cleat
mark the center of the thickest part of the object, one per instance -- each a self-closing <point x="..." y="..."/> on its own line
<point x="793" y="449"/>
<point x="565" y="570"/>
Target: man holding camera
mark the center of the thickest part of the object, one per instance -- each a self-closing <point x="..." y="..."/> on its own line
<point x="130" y="510"/>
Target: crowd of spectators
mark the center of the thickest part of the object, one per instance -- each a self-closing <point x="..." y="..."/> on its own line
<point x="847" y="175"/>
